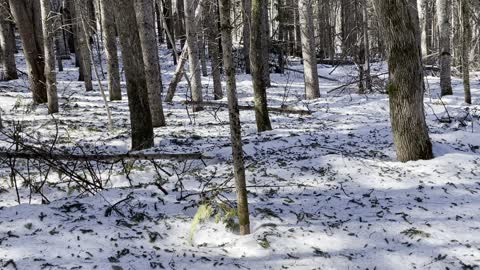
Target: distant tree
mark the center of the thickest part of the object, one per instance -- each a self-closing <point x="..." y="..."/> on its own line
<point x="399" y="21"/>
<point x="465" y="48"/>
<point x="194" y="63"/>
<point x="213" y="48"/>
<point x="82" y="14"/>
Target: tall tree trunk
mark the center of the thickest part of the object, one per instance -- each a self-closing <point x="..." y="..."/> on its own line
<point x="213" y="49"/>
<point x="203" y="57"/>
<point x="28" y="20"/>
<point x="266" y="44"/>
<point x="257" y="68"/>
<point x="234" y="115"/>
<point x="444" y="8"/>
<point x="50" y="75"/>
<point x="146" y="26"/>
<point x="168" y="15"/>
<point x="180" y="30"/>
<point x="158" y="18"/>
<point x="194" y="63"/>
<point x="110" y="44"/>
<point x="466" y="40"/>
<point x="312" y="90"/>
<point x="246" y="13"/>
<point x="422" y="16"/>
<point x="7" y="46"/>
<point x="366" y="47"/>
<point x="398" y="19"/>
<point x="140" y="117"/>
<point x="82" y="13"/>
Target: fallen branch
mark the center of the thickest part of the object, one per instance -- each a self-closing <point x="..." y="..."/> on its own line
<point x="354" y="82"/>
<point x="96" y="157"/>
<point x="249" y="107"/>
<point x="319" y="76"/>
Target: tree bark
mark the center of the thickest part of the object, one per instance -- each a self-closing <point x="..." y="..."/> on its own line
<point x="422" y="16"/>
<point x="7" y="46"/>
<point x="28" y="20"/>
<point x="48" y="48"/>
<point x="140" y="117"/>
<point x="398" y="19"/>
<point x="234" y="116"/>
<point x="110" y="44"/>
<point x="312" y="90"/>
<point x="194" y="63"/>
<point x="213" y="49"/>
<point x="257" y="68"/>
<point x="246" y="13"/>
<point x="81" y="12"/>
<point x="444" y="8"/>
<point x="466" y="40"/>
<point x="146" y="26"/>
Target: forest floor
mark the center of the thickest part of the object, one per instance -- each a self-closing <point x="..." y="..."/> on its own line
<point x="325" y="190"/>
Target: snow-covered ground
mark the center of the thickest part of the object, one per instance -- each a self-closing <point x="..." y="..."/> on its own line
<point x="325" y="190"/>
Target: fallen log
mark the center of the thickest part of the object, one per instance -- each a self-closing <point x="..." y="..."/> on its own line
<point x="250" y="108"/>
<point x="319" y="76"/>
<point x="99" y="157"/>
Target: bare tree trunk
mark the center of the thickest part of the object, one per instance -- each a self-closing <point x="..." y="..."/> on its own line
<point x="168" y="15"/>
<point x="146" y="26"/>
<point x="50" y="75"/>
<point x="398" y="19"/>
<point x="194" y="65"/>
<point x="7" y="46"/>
<point x="257" y="68"/>
<point x="180" y="22"/>
<point x="140" y="117"/>
<point x="234" y="115"/>
<point x="110" y="44"/>
<point x="158" y="18"/>
<point x="28" y="20"/>
<point x="444" y="8"/>
<point x="312" y="90"/>
<point x="247" y="13"/>
<point x="422" y="16"/>
<point x="466" y="40"/>
<point x="82" y="13"/>
<point x="213" y="49"/>
<point x="266" y="44"/>
<point x="366" y="47"/>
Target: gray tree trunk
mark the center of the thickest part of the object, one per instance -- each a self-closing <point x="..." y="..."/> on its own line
<point x="398" y="19"/>
<point x="140" y="117"/>
<point x="444" y="8"/>
<point x="266" y="44"/>
<point x="110" y="44"/>
<point x="246" y="13"/>
<point x="213" y="49"/>
<point x="7" y="46"/>
<point x="146" y="25"/>
<point x="82" y="13"/>
<point x="234" y="116"/>
<point x="194" y="63"/>
<point x="466" y="40"/>
<point x="29" y="23"/>
<point x="48" y="35"/>
<point x="305" y="9"/>
<point x="422" y="16"/>
<point x="257" y="68"/>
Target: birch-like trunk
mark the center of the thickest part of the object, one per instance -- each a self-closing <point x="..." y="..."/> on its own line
<point x="194" y="63"/>
<point x="444" y="8"/>
<point x="305" y="9"/>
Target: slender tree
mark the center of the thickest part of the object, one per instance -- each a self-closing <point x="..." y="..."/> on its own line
<point x="399" y="21"/>
<point x="7" y="46"/>
<point x="110" y="44"/>
<point x="213" y="49"/>
<point x="466" y="40"/>
<point x="146" y="26"/>
<point x="257" y="68"/>
<point x="246" y="14"/>
<point x="29" y="23"/>
<point x="194" y="63"/>
<point x="312" y="90"/>
<point x="81" y="12"/>
<point x="234" y="115"/>
<point x="140" y="117"/>
<point x="48" y="18"/>
<point x="444" y="9"/>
